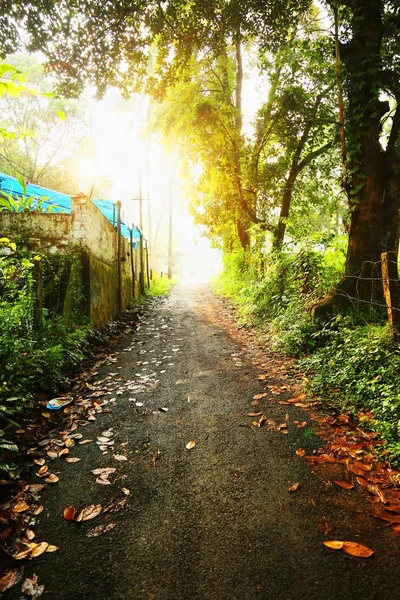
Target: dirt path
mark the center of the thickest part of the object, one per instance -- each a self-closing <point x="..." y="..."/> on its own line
<point x="216" y="522"/>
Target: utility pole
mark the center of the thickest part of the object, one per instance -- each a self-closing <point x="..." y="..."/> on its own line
<point x="170" y="235"/>
<point x="142" y="267"/>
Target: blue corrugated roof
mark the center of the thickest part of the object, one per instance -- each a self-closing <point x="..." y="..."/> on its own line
<point x="61" y="203"/>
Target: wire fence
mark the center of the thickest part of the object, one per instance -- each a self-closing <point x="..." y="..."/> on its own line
<point x="376" y="286"/>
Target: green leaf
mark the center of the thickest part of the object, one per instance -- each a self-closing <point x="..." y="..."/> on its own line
<point x="62" y="115"/>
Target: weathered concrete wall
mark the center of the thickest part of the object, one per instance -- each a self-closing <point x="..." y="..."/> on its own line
<point x="89" y="233"/>
<point x="38" y="231"/>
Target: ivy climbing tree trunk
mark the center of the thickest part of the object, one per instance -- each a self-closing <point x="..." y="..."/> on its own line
<point x="372" y="171"/>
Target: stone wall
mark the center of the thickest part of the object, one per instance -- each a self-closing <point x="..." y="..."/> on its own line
<point x="87" y="232"/>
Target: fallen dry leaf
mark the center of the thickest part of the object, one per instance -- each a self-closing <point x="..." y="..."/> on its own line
<point x="52" y="548"/>
<point x="104" y="471"/>
<point x="300" y="452"/>
<point x="73" y="459"/>
<point x="39" y="461"/>
<point x="301" y="424"/>
<point x="295" y="487"/>
<point x="334" y="544"/>
<point x="325" y="525"/>
<point x="89" y="512"/>
<point x="255" y="414"/>
<point x="356" y="549"/>
<point x="51" y="478"/>
<point x="255" y="403"/>
<point x="38" y="510"/>
<point x="120" y="457"/>
<point x="81" y="442"/>
<point x="20" y="506"/>
<point x="39" y="549"/>
<point x="191" y="444"/>
<point x="31" y="588"/>
<point x="100" y="529"/>
<point x="11" y="578"/>
<point x="69" y="513"/>
<point x="344" y="484"/>
<point x="36" y="487"/>
<point x="29" y="535"/>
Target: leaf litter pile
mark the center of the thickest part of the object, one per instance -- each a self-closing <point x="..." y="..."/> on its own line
<point x="349" y="448"/>
<point x="50" y="437"/>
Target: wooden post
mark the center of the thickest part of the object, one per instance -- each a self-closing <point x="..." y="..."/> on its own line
<point x="392" y="293"/>
<point x="119" y="247"/>
<point x="132" y="263"/>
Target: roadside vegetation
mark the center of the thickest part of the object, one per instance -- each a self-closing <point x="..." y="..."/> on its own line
<point x="43" y="332"/>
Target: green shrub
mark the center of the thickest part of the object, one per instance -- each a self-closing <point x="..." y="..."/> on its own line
<point x="362" y="365"/>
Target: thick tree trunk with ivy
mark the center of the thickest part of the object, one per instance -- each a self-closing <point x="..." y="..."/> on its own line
<point x="372" y="173"/>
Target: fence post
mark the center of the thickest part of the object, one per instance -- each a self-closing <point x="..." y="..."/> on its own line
<point x="391" y="291"/>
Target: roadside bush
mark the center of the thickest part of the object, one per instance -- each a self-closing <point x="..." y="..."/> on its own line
<point x="35" y="346"/>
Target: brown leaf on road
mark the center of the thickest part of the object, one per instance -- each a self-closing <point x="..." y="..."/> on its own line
<point x="191" y="444"/>
<point x="300" y="452"/>
<point x="20" y="506"/>
<point x="120" y="457"/>
<point x="295" y="487"/>
<point x="69" y="513"/>
<point x="73" y="459"/>
<point x="63" y="452"/>
<point x="88" y="513"/>
<point x="39" y="461"/>
<point x="36" y="487"/>
<point x="52" y="548"/>
<point x="100" y="529"/>
<point x="52" y="478"/>
<point x="344" y="484"/>
<point x="385" y="515"/>
<point x="255" y="403"/>
<point x="29" y="535"/>
<point x="372" y="488"/>
<point x="259" y="396"/>
<point x="31" y="588"/>
<point x="355" y="549"/>
<point x="39" y="549"/>
<point x="254" y="414"/>
<point x="11" y="578"/>
<point x="297" y="399"/>
<point x="104" y="471"/>
<point x="301" y="424"/>
<point x="81" y="442"/>
<point x="334" y="544"/>
<point x="38" y="510"/>
<point x="325" y="525"/>
<point x="103" y="481"/>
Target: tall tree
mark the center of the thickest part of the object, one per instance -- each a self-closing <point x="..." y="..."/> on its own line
<point x="47" y="129"/>
<point x="370" y="51"/>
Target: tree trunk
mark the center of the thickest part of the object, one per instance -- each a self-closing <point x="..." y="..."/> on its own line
<point x="285" y="208"/>
<point x="243" y="235"/>
<point x="372" y="188"/>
